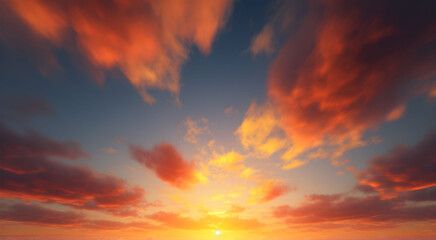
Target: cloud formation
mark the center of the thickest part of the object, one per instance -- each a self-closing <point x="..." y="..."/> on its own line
<point x="193" y="129"/>
<point x="21" y="109"/>
<point x="175" y="220"/>
<point x="342" y="209"/>
<point x="27" y="171"/>
<point x="349" y="68"/>
<point x="258" y="130"/>
<point x="402" y="169"/>
<point x="168" y="165"/>
<point x="268" y="190"/>
<point x="147" y="40"/>
<point x="41" y="216"/>
<point x="399" y="186"/>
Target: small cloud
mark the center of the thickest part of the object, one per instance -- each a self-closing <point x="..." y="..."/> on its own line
<point x="168" y="165"/>
<point x="109" y="150"/>
<point x="267" y="191"/>
<point x="339" y="162"/>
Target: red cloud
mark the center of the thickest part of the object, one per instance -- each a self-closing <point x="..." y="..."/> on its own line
<point x="147" y="40"/>
<point x="402" y="169"/>
<point x="28" y="172"/>
<point x="168" y="165"/>
<point x="350" y="65"/>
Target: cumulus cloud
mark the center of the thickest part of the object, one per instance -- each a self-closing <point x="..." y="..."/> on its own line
<point x="168" y="165"/>
<point x="147" y="40"/>
<point x="348" y="68"/>
<point x="27" y="171"/>
<point x="268" y="190"/>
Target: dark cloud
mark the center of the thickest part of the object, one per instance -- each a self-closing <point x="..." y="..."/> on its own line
<point x="403" y="169"/>
<point x="175" y="220"/>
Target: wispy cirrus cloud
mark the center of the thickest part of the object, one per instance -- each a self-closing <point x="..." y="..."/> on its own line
<point x="147" y="40"/>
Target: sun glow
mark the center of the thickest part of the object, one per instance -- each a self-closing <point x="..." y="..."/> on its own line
<point x="217" y="232"/>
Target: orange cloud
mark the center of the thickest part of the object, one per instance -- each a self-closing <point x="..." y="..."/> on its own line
<point x="168" y="165"/>
<point x="347" y="69"/>
<point x="147" y="40"/>
<point x="267" y="191"/>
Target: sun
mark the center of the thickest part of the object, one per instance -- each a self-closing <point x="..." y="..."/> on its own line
<point x="217" y="232"/>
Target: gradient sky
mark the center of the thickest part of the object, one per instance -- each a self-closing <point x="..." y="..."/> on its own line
<point x="221" y="119"/>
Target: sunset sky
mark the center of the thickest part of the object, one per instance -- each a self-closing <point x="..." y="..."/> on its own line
<point x="217" y="119"/>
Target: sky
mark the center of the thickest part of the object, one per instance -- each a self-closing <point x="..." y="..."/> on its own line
<point x="217" y="120"/>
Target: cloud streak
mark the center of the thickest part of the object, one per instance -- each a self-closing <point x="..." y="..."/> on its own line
<point x="348" y="68"/>
<point x="147" y="40"/>
<point x="168" y="165"/>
